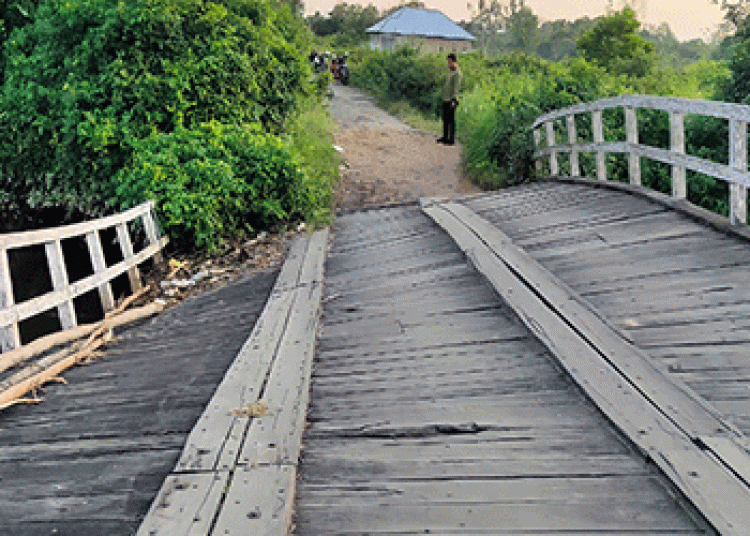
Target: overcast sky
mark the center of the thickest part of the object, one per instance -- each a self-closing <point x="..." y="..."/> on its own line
<point x="687" y="18"/>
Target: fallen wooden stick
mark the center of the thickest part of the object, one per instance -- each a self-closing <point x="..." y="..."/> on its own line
<point x="41" y="345"/>
<point x="49" y="369"/>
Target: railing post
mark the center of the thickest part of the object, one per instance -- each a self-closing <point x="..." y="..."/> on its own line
<point x="152" y="231"/>
<point x="634" y="159"/>
<point x="551" y="142"/>
<point x="677" y="146"/>
<point x="126" y="246"/>
<point x="97" y="260"/>
<point x="10" y="337"/>
<point x="598" y="125"/>
<point x="738" y="161"/>
<point x="575" y="167"/>
<point x="59" y="276"/>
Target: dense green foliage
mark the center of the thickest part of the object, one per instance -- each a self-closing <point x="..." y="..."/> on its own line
<point x="106" y="103"/>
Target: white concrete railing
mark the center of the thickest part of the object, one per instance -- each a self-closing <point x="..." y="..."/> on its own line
<point x="736" y="173"/>
<point x="63" y="292"/>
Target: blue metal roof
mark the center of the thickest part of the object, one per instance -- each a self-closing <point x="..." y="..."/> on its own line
<point x="423" y="22"/>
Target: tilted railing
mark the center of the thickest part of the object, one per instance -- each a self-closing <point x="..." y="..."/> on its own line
<point x="63" y="292"/>
<point x="736" y="173"/>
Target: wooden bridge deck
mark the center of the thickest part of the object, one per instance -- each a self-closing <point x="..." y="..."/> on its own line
<point x="439" y="404"/>
<point x="91" y="458"/>
<point x="434" y="410"/>
<point x="677" y="288"/>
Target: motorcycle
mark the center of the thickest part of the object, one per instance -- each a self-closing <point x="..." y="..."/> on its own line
<point x="339" y="69"/>
<point x="318" y="62"/>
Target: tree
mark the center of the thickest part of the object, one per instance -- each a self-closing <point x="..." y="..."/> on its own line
<point x="522" y="28"/>
<point x="347" y="21"/>
<point x="737" y="87"/>
<point x="735" y="11"/>
<point x="614" y="45"/>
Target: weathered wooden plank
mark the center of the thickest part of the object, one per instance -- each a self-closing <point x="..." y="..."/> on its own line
<point x="623" y="402"/>
<point x="454" y="518"/>
<point x="185" y="506"/>
<point x="738" y="160"/>
<point x="97" y="261"/>
<point x="259" y="501"/>
<point x="637" y="496"/>
<point x="10" y="337"/>
<point x="151" y="226"/>
<point x="275" y="437"/>
<point x="597" y="125"/>
<point x="215" y="441"/>
<point x="59" y="276"/>
<point x="467" y="462"/>
<point x="126" y="246"/>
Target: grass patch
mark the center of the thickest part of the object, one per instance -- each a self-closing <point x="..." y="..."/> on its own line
<point x="413" y="117"/>
<point x="312" y="138"/>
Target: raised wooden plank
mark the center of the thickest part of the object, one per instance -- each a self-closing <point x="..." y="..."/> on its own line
<point x="186" y="505"/>
<point x="275" y="437"/>
<point x="276" y="357"/>
<point x="259" y="501"/>
<point x="623" y="402"/>
<point x="217" y="433"/>
<point x="215" y="441"/>
<point x="687" y="409"/>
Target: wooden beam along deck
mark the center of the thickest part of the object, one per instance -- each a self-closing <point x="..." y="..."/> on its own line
<point x="554" y="358"/>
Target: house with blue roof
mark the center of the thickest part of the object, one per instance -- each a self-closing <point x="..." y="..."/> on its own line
<point x="427" y="29"/>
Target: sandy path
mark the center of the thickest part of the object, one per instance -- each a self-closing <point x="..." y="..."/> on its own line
<point x="387" y="162"/>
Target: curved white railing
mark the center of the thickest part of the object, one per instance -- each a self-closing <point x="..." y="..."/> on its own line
<point x="63" y="292"/>
<point x="736" y="173"/>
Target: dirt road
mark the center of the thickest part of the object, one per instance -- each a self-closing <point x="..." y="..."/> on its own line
<point x="387" y="162"/>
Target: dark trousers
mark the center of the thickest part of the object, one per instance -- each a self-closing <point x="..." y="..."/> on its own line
<point x="449" y="122"/>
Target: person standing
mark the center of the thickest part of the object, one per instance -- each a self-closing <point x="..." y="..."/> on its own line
<point x="450" y="101"/>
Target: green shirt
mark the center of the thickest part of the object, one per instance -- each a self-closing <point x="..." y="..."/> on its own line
<point x="452" y="85"/>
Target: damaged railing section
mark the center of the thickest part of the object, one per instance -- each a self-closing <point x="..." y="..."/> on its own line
<point x="735" y="173"/>
<point x="140" y="220"/>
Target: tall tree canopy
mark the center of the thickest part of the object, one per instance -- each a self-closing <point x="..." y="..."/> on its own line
<point x="613" y="43"/>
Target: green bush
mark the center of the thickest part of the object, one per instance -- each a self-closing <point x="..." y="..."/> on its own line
<point x="402" y="75"/>
<point x="495" y="118"/>
<point x="214" y="182"/>
<point x="89" y="79"/>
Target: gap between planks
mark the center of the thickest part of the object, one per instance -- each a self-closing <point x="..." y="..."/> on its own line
<point x="238" y="473"/>
<point x="682" y="434"/>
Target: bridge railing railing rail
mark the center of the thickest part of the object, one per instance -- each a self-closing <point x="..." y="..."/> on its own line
<point x="64" y="292"/>
<point x="735" y="173"/>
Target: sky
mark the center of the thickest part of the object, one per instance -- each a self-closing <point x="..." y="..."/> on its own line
<point x="688" y="19"/>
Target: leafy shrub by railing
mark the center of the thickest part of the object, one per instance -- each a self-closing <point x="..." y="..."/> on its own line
<point x="214" y="182"/>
